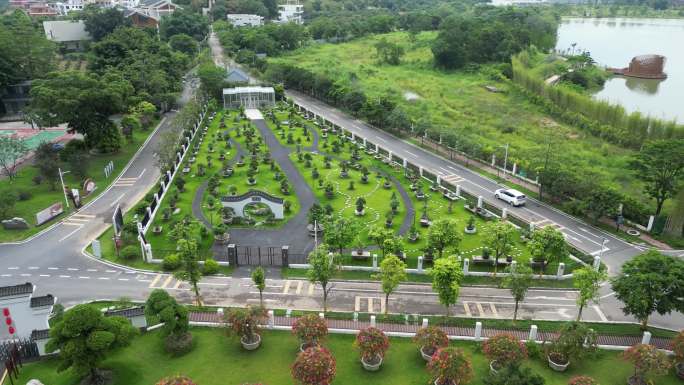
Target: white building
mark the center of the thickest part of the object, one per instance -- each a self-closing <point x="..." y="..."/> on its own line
<point x="292" y="11"/>
<point x="22" y="313"/>
<point x="245" y="20"/>
<point x="69" y="34"/>
<point x="69" y="6"/>
<point x="248" y="97"/>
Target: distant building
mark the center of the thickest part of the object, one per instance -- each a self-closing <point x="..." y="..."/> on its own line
<point x="69" y="6"/>
<point x="148" y="13"/>
<point x="41" y="10"/>
<point x="245" y="20"/>
<point x="644" y="66"/>
<point x="22" y="312"/>
<point x="248" y="97"/>
<point x="237" y="76"/>
<point x="15" y="97"/>
<point x="291" y="12"/>
<point x="141" y="19"/>
<point x="71" y="35"/>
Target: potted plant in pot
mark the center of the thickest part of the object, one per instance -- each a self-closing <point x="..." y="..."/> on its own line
<point x="486" y="253"/>
<point x="450" y="366"/>
<point x="648" y="362"/>
<point x="314" y="366"/>
<point x="310" y="329"/>
<point x="244" y="323"/>
<point x="373" y="344"/>
<point x="504" y="350"/>
<point x="413" y="233"/>
<point x="430" y="339"/>
<point x="470" y="227"/>
<point x="575" y="341"/>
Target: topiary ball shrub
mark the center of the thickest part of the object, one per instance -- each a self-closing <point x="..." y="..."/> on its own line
<point x="314" y="366"/>
<point x="171" y="262"/>
<point x="176" y="380"/>
<point x="130" y="252"/>
<point x="178" y="344"/>
<point x="505" y="350"/>
<point x="210" y="267"/>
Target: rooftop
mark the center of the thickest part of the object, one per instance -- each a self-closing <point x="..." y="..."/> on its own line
<point x="11" y="291"/>
<point x="46" y="300"/>
<point x="66" y="30"/>
<point x="128" y="313"/>
<point x="254" y="89"/>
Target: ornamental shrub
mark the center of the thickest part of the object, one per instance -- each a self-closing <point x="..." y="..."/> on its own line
<point x="176" y="380"/>
<point x="505" y="349"/>
<point x="171" y="262"/>
<point x="130" y="252"/>
<point x="314" y="366"/>
<point x="210" y="267"/>
<point x="647" y="361"/>
<point x="450" y="366"/>
<point x="431" y="338"/>
<point x="310" y="329"/>
<point x="372" y="342"/>
<point x="582" y="380"/>
<point x="678" y="347"/>
<point x="244" y="322"/>
<point x="514" y="375"/>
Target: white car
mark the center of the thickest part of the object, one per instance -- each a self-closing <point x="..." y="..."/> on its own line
<point x="511" y="196"/>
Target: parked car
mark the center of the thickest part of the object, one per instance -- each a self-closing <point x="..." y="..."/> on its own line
<point x="510" y="196"/>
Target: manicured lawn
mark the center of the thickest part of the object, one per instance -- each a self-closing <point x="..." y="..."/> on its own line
<point x="42" y="196"/>
<point x="218" y="360"/>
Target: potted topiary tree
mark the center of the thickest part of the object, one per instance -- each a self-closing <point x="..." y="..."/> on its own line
<point x="648" y="361"/>
<point x="310" y="329"/>
<point x="504" y="350"/>
<point x="413" y="233"/>
<point x="450" y="366"/>
<point x="373" y="344"/>
<point x="582" y="380"/>
<point x="244" y="323"/>
<point x="470" y="228"/>
<point x="360" y="203"/>
<point x="574" y="342"/>
<point x="314" y="366"/>
<point x="678" y="350"/>
<point x="430" y="339"/>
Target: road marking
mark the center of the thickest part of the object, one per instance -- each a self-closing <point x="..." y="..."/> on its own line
<point x="166" y="282"/>
<point x="212" y="284"/>
<point x="25" y="275"/>
<point x="608" y="295"/>
<point x="600" y="313"/>
<point x="357" y="303"/>
<point x="299" y="287"/>
<point x="493" y="309"/>
<point x="412" y="154"/>
<point x="45" y="275"/>
<point x="117" y="200"/>
<point x="154" y="281"/>
<point x="82" y="277"/>
<point x="479" y="309"/>
<point x="64" y="276"/>
<point x="381" y="139"/>
<point x="93" y="270"/>
<point x="287" y="287"/>
<point x="370" y="304"/>
<point x="72" y="269"/>
<point x="123" y="279"/>
<point x="6" y="275"/>
<point x="466" y="307"/>
<point x="13" y="268"/>
<point x="110" y="271"/>
<point x="71" y="233"/>
<point x="53" y="268"/>
<point x="89" y="216"/>
<point x="177" y="285"/>
<point x="311" y="288"/>
<point x="104" y="278"/>
<point x="33" y="268"/>
<point x="141" y="173"/>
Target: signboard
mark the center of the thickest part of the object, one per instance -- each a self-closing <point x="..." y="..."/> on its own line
<point x="77" y="197"/>
<point x="49" y="213"/>
<point x="89" y="186"/>
<point x="117" y="220"/>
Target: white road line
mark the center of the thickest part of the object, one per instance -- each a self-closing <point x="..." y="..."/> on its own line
<point x="33" y="268"/>
<point x="600" y="313"/>
<point x="466" y="308"/>
<point x="287" y="286"/>
<point x="82" y="277"/>
<point x="166" y="282"/>
<point x="357" y="303"/>
<point x="25" y="275"/>
<point x="212" y="284"/>
<point x="493" y="309"/>
<point x="479" y="308"/>
<point x="64" y="276"/>
<point x="110" y="271"/>
<point x="90" y="216"/>
<point x="412" y="154"/>
<point x="141" y="173"/>
<point x="311" y="288"/>
<point x="154" y="282"/>
<point x="612" y="293"/>
<point x="117" y="200"/>
<point x="299" y="287"/>
<point x="72" y="269"/>
<point x="45" y="275"/>
<point x="53" y="268"/>
<point x="93" y="270"/>
<point x="71" y="233"/>
<point x="123" y="279"/>
<point x="13" y="268"/>
<point x="6" y="275"/>
<point x="381" y="139"/>
<point x="104" y="278"/>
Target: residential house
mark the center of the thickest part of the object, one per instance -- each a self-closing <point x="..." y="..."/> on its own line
<point x="245" y="20"/>
<point x="236" y="76"/>
<point x="71" y="35"/>
<point x="291" y="12"/>
<point x="41" y="10"/>
<point x="148" y="13"/>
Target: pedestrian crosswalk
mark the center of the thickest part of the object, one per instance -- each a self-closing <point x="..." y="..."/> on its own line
<point x="480" y="309"/>
<point x="125" y="182"/>
<point x="298" y="288"/>
<point x="453" y="179"/>
<point x="547" y="223"/>
<point x="368" y="304"/>
<point x="78" y="219"/>
<point x="167" y="282"/>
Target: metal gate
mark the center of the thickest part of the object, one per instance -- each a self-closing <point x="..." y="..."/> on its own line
<point x="259" y="255"/>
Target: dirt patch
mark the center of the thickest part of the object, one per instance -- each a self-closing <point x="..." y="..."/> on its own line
<point x="411" y="96"/>
<point x="548" y="122"/>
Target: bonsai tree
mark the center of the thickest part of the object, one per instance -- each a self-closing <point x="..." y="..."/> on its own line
<point x="360" y="203"/>
<point x="574" y="342"/>
<point x="471" y="224"/>
<point x="392" y="272"/>
<point x="648" y="362"/>
<point x="504" y="350"/>
<point x="244" y="323"/>
<point x="314" y="366"/>
<point x="678" y="350"/>
<point x="430" y="339"/>
<point x="582" y="380"/>
<point x="84" y="337"/>
<point x="176" y="380"/>
<point x="514" y="375"/>
<point x="259" y="279"/>
<point x="174" y="317"/>
<point x="394" y="204"/>
<point x="372" y="344"/>
<point x="450" y="366"/>
<point x="310" y="329"/>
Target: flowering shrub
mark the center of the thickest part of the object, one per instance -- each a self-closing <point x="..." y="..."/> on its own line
<point x="314" y="366"/>
<point x="244" y="322"/>
<point x="176" y="380"/>
<point x="310" y="329"/>
<point x="678" y="347"/>
<point x="450" y="366"/>
<point x="505" y="349"/>
<point x="647" y="361"/>
<point x="431" y="338"/>
<point x="582" y="380"/>
<point x="372" y="342"/>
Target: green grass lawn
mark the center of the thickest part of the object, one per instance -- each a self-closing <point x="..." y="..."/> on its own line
<point x="219" y="360"/>
<point x="42" y="195"/>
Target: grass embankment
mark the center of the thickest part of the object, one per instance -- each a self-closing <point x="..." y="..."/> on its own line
<point x="217" y="360"/>
<point x="42" y="195"/>
<point x="458" y="102"/>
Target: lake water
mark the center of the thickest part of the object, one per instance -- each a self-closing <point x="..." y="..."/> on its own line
<point x="614" y="42"/>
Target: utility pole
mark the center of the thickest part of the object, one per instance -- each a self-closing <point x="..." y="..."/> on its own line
<point x="505" y="160"/>
<point x="61" y="179"/>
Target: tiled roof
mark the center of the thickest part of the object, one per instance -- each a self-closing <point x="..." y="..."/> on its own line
<point x="40" y="334"/>
<point x="10" y="291"/>
<point x="46" y="300"/>
<point x="128" y="313"/>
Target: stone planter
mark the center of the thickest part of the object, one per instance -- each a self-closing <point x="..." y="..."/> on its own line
<point x="470" y="231"/>
<point x="372" y="367"/>
<point x="426" y="357"/>
<point x="679" y="369"/>
<point x="251" y="345"/>
<point x="556" y="366"/>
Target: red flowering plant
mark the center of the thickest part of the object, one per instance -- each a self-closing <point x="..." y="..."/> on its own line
<point x="373" y="343"/>
<point x="678" y="347"/>
<point x="314" y="366"/>
<point x="582" y="380"/>
<point x="430" y="339"/>
<point x="504" y="349"/>
<point x="310" y="329"/>
<point x="176" y="380"/>
<point x="450" y="366"/>
<point x="648" y="361"/>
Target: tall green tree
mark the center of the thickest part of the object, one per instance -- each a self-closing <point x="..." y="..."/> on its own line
<point x="323" y="266"/>
<point x="600" y="202"/>
<point x="587" y="281"/>
<point x="392" y="273"/>
<point x="190" y="270"/>
<point x="84" y="338"/>
<point x="184" y="22"/>
<point x="100" y="21"/>
<point x="499" y="239"/>
<point x="340" y="232"/>
<point x="651" y="282"/>
<point x="660" y="164"/>
<point x="446" y="281"/>
<point x="46" y="160"/>
<point x="547" y="245"/>
<point x="518" y="281"/>
<point x="11" y="151"/>
<point x="388" y="52"/>
<point x="379" y="234"/>
<point x="212" y="79"/>
<point x="443" y="234"/>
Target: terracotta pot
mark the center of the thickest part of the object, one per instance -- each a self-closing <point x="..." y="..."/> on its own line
<point x="372" y="367"/>
<point x="557" y="367"/>
<point x="251" y="345"/>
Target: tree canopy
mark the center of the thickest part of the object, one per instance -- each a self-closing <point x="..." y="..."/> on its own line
<point x="100" y="22"/>
<point x="660" y="164"/>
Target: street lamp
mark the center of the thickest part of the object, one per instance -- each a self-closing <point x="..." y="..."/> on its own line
<point x="505" y="160"/>
<point x="61" y="179"/>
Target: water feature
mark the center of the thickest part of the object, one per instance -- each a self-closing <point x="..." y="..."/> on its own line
<point x="614" y="42"/>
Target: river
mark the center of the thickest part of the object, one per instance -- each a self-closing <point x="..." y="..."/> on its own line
<point x="613" y="43"/>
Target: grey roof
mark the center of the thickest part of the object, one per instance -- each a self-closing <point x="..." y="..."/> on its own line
<point x="128" y="313"/>
<point x="11" y="291"/>
<point x="66" y="30"/>
<point x="155" y="3"/>
<point x="40" y="334"/>
<point x="236" y="75"/>
<point x="46" y="300"/>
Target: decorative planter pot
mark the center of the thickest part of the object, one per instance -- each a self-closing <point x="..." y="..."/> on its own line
<point x="557" y="367"/>
<point x="426" y="357"/>
<point x="679" y="369"/>
<point x="251" y="182"/>
<point x="470" y="231"/>
<point x="251" y="345"/>
<point x="305" y="345"/>
<point x="372" y="367"/>
<point x="359" y="213"/>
